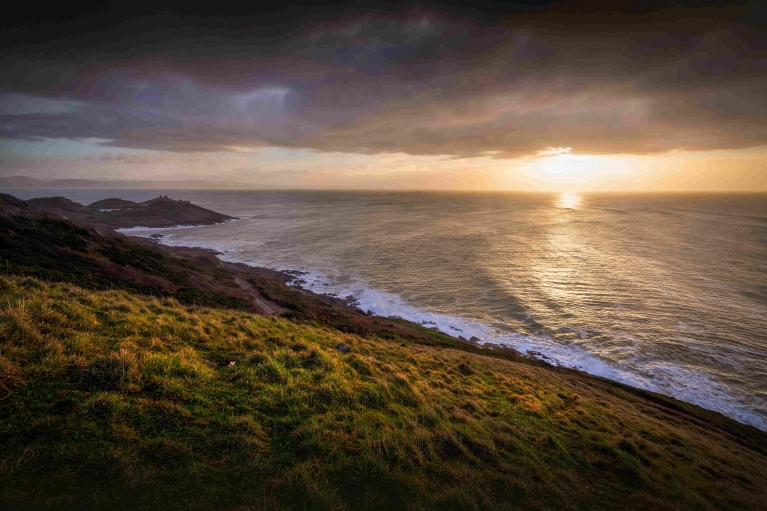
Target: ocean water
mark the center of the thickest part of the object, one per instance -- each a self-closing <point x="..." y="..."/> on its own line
<point x="663" y="292"/>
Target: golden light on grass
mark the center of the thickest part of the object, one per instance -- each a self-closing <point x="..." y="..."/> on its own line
<point x="149" y="385"/>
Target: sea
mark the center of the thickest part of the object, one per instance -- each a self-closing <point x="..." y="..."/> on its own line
<point x="665" y="292"/>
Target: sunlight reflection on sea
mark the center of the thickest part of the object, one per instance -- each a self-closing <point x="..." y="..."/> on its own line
<point x="665" y="292"/>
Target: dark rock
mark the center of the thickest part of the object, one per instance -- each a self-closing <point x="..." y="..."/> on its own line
<point x="343" y="348"/>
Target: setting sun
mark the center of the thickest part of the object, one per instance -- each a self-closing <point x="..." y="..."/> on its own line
<point x="578" y="170"/>
<point x="570" y="164"/>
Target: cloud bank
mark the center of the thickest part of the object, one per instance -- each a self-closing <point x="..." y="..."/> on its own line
<point x="425" y="80"/>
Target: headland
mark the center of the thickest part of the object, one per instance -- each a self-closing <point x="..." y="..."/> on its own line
<point x="137" y="376"/>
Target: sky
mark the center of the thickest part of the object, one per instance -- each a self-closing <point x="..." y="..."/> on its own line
<point x="607" y="96"/>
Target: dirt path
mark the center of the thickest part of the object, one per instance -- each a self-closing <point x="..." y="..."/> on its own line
<point x="247" y="286"/>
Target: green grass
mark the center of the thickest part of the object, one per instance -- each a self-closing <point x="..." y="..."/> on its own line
<point x="55" y="249"/>
<point x="112" y="400"/>
<point x="447" y="339"/>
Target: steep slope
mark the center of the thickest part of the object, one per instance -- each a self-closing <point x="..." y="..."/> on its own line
<point x="44" y="245"/>
<point x="138" y="378"/>
<point x="47" y="246"/>
<point x="10" y="205"/>
<point x="118" y="401"/>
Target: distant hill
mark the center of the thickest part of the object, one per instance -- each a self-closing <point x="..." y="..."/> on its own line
<point x="22" y="182"/>
<point x="19" y="182"/>
<point x="11" y="182"/>
<point x="11" y="206"/>
<point x="119" y="213"/>
<point x="116" y="204"/>
<point x="59" y="205"/>
<point x="42" y="244"/>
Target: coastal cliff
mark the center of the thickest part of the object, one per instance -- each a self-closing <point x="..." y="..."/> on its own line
<point x="134" y="376"/>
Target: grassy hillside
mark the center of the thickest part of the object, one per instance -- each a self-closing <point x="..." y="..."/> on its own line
<point x="45" y="246"/>
<point x="42" y="245"/>
<point x="113" y="400"/>
<point x="135" y="377"/>
<point x="115" y="203"/>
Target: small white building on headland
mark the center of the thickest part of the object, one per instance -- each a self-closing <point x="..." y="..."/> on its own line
<point x="178" y="200"/>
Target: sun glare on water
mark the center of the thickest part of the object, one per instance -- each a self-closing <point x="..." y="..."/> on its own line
<point x="569" y="200"/>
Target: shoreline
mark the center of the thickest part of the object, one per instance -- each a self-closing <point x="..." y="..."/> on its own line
<point x="127" y="230"/>
<point x="594" y="366"/>
<point x="123" y="354"/>
<point x="689" y="384"/>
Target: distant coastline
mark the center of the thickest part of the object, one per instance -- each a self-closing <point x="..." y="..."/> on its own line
<point x="11" y="183"/>
<point x="161" y="212"/>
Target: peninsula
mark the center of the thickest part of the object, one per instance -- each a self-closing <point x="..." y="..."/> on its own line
<point x="119" y="214"/>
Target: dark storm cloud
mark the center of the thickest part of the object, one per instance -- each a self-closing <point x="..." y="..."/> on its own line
<point x="428" y="80"/>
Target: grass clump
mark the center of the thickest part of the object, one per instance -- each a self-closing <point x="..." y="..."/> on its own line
<point x="117" y="400"/>
<point x="109" y="372"/>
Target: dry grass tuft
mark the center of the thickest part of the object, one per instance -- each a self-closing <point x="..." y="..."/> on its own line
<point x="109" y="372"/>
<point x="10" y="376"/>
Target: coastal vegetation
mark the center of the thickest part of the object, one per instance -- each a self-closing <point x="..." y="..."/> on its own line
<point x="112" y="399"/>
<point x="49" y="247"/>
<point x="121" y="392"/>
